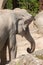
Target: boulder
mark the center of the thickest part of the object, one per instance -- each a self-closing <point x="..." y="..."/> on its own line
<point x="38" y="54"/>
<point x="39" y="22"/>
<point x="26" y="60"/>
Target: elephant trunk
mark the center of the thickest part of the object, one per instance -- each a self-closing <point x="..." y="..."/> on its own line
<point x="31" y="40"/>
<point x="30" y="50"/>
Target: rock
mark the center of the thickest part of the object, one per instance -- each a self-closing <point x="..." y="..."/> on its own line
<point x="38" y="37"/>
<point x="26" y="60"/>
<point x="38" y="54"/>
<point x="39" y="22"/>
<point x="2" y="3"/>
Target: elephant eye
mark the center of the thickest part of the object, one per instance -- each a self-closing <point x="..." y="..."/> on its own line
<point x="19" y="19"/>
<point x="26" y="22"/>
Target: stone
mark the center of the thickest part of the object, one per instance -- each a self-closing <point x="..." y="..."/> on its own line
<point x="26" y="60"/>
<point x="39" y="22"/>
<point x="38" y="54"/>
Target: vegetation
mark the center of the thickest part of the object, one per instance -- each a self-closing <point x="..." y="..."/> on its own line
<point x="32" y="6"/>
<point x="40" y="56"/>
<point x="9" y="4"/>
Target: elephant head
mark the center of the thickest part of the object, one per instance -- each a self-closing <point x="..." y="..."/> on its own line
<point x="23" y="20"/>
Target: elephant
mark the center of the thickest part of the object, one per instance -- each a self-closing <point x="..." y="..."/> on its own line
<point x="14" y="22"/>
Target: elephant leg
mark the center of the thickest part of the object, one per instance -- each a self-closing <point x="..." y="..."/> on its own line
<point x="12" y="51"/>
<point x="12" y="41"/>
<point x="12" y="47"/>
<point x="3" y="55"/>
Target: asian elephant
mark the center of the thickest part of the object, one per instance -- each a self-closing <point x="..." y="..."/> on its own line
<point x="14" y="22"/>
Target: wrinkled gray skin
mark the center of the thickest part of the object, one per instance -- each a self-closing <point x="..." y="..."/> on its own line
<point x="12" y="22"/>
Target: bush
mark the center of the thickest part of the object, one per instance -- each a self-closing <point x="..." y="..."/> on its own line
<point x="9" y="4"/>
<point x="31" y="5"/>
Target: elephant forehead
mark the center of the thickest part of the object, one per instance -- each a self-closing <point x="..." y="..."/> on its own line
<point x="22" y="13"/>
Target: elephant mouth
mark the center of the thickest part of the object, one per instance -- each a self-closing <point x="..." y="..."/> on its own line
<point x="28" y="21"/>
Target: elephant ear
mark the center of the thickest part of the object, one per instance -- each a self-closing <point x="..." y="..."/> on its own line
<point x="20" y="26"/>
